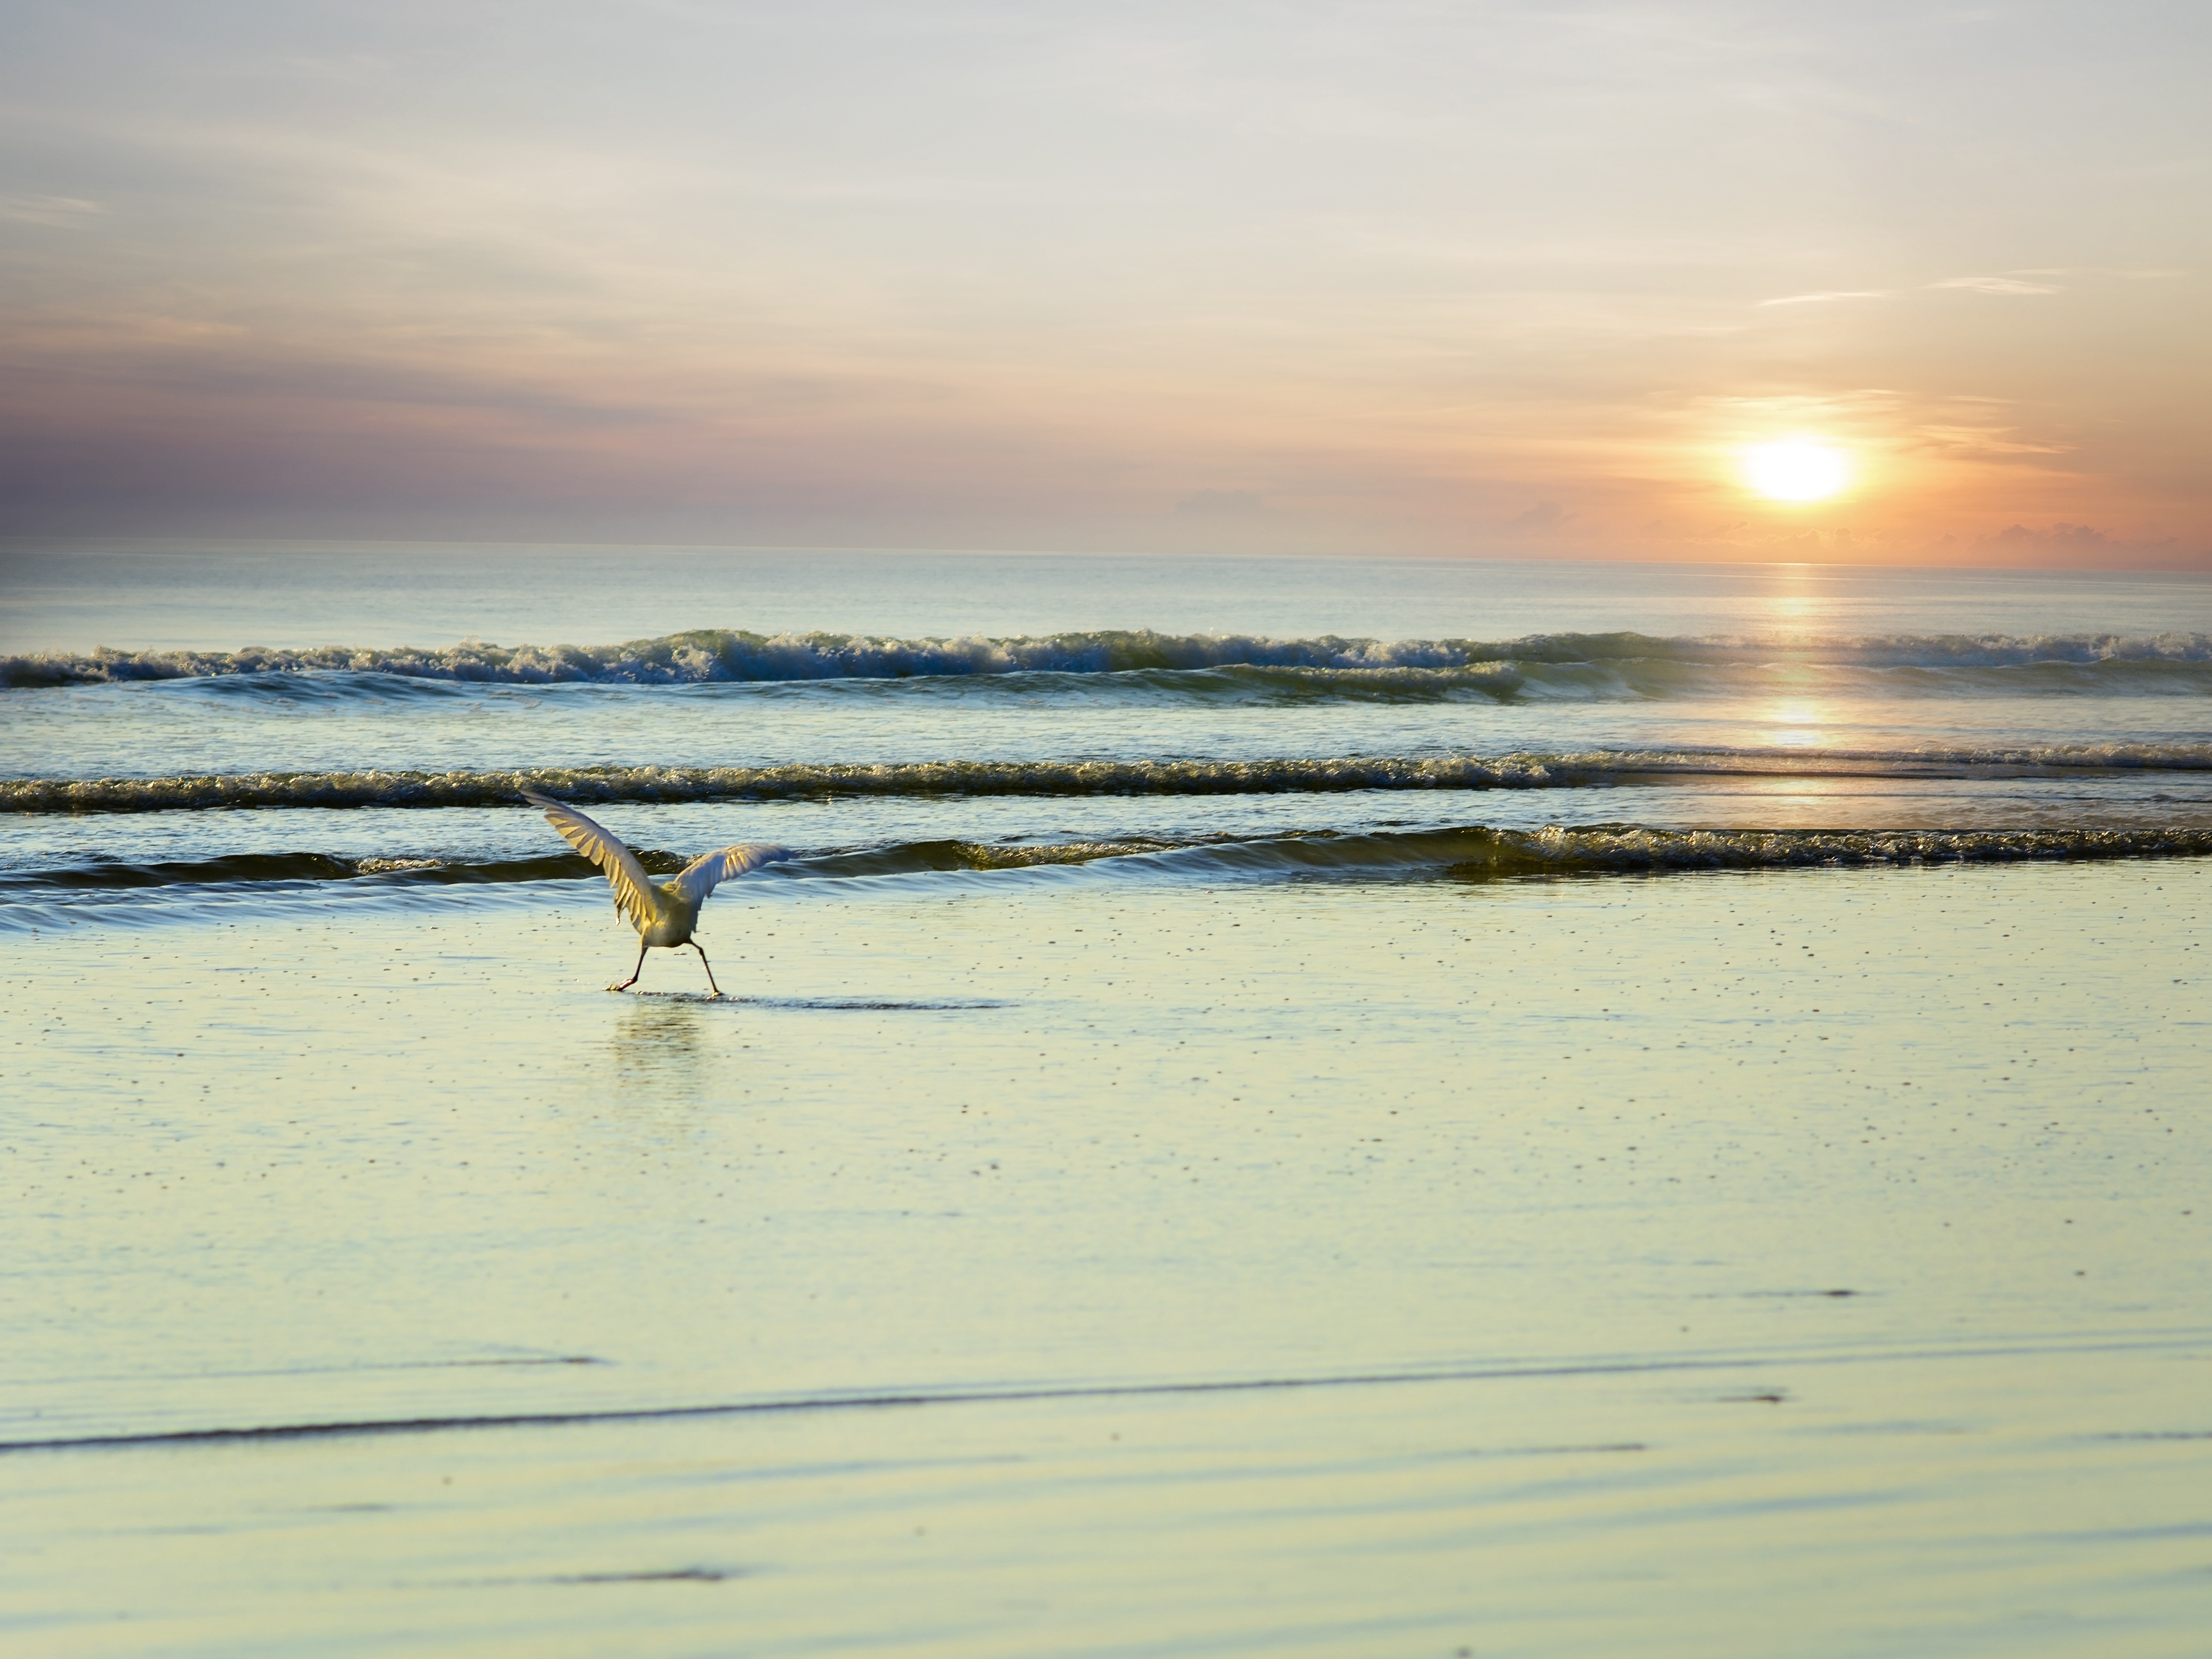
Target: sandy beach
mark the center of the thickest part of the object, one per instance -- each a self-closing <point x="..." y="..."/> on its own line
<point x="1065" y="1260"/>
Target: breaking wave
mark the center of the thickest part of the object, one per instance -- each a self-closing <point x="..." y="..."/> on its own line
<point x="1628" y="663"/>
<point x="1595" y="769"/>
<point x="1474" y="853"/>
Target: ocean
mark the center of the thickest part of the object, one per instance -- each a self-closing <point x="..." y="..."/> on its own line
<point x="1289" y="1106"/>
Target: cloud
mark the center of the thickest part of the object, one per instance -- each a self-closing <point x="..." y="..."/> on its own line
<point x="2083" y="547"/>
<point x="1986" y="441"/>
<point x="1996" y="285"/>
<point x="2081" y="536"/>
<point x="1544" y="516"/>
<point x="1221" y="504"/>
<point x="65" y="212"/>
<point x="1828" y="294"/>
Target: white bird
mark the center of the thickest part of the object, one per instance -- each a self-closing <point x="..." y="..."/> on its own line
<point x="664" y="913"/>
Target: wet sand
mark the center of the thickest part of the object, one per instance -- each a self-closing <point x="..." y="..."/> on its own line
<point x="1057" y="1262"/>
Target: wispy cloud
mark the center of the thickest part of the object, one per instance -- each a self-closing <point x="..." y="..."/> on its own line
<point x="67" y="212"/>
<point x="1984" y="442"/>
<point x="1543" y="517"/>
<point x="1828" y="294"/>
<point x="1220" y="503"/>
<point x="1998" y="285"/>
<point x="2063" y="545"/>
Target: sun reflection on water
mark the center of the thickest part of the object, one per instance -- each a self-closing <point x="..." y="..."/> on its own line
<point x="1794" y="723"/>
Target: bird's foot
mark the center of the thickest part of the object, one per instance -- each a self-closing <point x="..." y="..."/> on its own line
<point x="623" y="985"/>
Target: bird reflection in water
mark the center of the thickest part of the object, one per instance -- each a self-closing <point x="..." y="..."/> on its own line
<point x="661" y="1045"/>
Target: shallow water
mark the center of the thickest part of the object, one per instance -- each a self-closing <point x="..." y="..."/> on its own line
<point x="1696" y="1149"/>
<point x="1811" y="1259"/>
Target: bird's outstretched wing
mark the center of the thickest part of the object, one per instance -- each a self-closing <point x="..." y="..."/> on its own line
<point x="709" y="870"/>
<point x="632" y="889"/>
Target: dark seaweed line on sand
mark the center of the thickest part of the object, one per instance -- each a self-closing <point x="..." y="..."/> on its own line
<point x="920" y="1397"/>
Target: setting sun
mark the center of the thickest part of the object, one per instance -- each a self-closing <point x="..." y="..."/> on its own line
<point x="1795" y="471"/>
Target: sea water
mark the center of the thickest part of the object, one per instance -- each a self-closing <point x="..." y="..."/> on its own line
<point x="1279" y="1106"/>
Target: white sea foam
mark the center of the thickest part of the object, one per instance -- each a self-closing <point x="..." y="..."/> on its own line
<point x="1591" y="769"/>
<point x="1474" y="851"/>
<point x="713" y="655"/>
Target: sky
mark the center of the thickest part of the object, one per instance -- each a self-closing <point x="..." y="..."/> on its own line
<point x="1472" y="279"/>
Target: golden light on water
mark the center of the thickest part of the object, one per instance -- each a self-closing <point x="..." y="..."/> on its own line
<point x="1795" y="470"/>
<point x="1794" y="723"/>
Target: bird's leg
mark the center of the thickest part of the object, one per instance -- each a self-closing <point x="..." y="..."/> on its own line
<point x="634" y="972"/>
<point x="708" y="966"/>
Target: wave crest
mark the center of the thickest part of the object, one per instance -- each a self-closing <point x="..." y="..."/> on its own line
<point x="1472" y="854"/>
<point x="1596" y="768"/>
<point x="718" y="655"/>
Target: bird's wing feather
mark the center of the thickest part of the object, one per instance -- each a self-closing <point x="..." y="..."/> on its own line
<point x="709" y="870"/>
<point x="632" y="888"/>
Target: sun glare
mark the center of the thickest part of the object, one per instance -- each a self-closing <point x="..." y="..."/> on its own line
<point x="1795" y="471"/>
